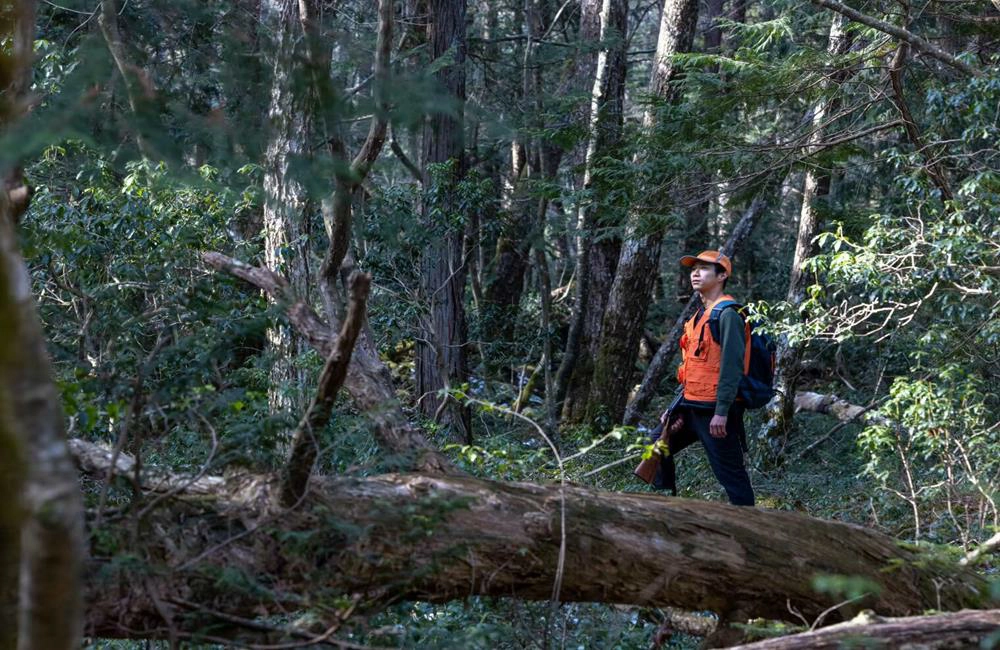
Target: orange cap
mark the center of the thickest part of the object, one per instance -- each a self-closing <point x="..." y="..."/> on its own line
<point x="712" y="257"/>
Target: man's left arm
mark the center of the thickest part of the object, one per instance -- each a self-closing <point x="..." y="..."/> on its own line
<point x="733" y="343"/>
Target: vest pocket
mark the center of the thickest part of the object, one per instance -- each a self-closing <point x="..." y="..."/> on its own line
<point x="701" y="391"/>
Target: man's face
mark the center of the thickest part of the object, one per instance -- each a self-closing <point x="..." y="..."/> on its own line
<point x="704" y="278"/>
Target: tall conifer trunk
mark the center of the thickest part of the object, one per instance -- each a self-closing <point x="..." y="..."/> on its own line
<point x="638" y="263"/>
<point x="441" y="354"/>
<point x="598" y="256"/>
<point x="285" y="200"/>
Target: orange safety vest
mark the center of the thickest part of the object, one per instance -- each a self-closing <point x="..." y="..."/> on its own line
<point x="701" y="357"/>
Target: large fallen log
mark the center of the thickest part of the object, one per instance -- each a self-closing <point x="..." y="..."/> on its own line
<point x="965" y="629"/>
<point x="234" y="555"/>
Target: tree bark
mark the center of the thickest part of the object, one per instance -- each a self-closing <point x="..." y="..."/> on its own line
<point x="638" y="263"/>
<point x="965" y="629"/>
<point x="285" y="197"/>
<point x="12" y="463"/>
<point x="441" y="354"/>
<point x="52" y="542"/>
<point x="780" y="412"/>
<point x="41" y="523"/>
<point x="17" y="23"/>
<point x="598" y="256"/>
<point x="400" y="536"/>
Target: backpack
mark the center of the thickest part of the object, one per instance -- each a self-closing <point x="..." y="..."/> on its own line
<point x="757" y="386"/>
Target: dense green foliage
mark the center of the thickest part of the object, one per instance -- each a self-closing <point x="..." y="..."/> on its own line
<point x="157" y="353"/>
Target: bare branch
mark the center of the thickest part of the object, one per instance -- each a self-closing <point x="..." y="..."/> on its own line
<point x="837" y="407"/>
<point x="304" y="446"/>
<point x="100" y="461"/>
<point x="337" y="208"/>
<point x="916" y="42"/>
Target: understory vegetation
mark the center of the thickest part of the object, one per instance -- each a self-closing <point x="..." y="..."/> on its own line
<point x="231" y="127"/>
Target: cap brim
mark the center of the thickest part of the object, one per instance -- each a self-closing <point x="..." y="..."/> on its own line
<point x="690" y="260"/>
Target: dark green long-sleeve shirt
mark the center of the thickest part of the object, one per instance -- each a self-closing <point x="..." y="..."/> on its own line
<point x="733" y="342"/>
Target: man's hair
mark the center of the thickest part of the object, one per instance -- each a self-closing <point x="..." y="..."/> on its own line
<point x="721" y="269"/>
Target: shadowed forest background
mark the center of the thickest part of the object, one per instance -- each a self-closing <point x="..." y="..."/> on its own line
<point x="342" y="323"/>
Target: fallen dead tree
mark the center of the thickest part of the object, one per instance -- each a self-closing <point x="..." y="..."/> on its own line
<point x="837" y="407"/>
<point x="845" y="412"/>
<point x="218" y="561"/>
<point x="965" y="629"/>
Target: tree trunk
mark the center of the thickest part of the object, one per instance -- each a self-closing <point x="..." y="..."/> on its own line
<point x="780" y="411"/>
<point x="638" y="264"/>
<point x="399" y="537"/>
<point x="965" y="629"/>
<point x="533" y="162"/>
<point x="52" y="542"/>
<point x="505" y="279"/>
<point x="597" y="258"/>
<point x="441" y="355"/>
<point x="12" y="463"/>
<point x="285" y="199"/>
<point x="713" y="32"/>
<point x="15" y="83"/>
<point x="41" y="521"/>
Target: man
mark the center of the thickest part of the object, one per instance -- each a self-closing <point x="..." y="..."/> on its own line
<point x="710" y="372"/>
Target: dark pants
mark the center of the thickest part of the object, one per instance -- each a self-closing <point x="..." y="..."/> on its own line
<point x="725" y="455"/>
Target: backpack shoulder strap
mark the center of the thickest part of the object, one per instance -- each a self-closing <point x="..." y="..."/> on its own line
<point x="713" y="320"/>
